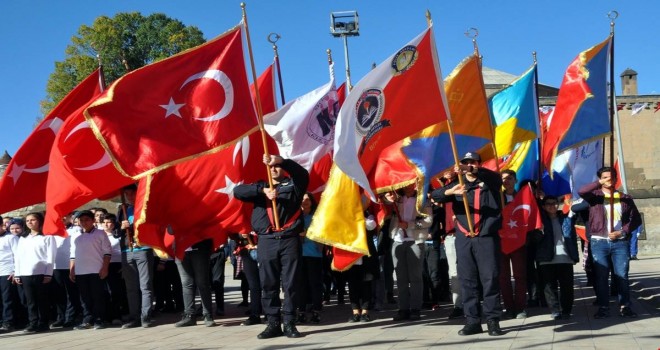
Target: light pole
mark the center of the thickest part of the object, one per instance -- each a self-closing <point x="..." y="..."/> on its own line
<point x="344" y="24"/>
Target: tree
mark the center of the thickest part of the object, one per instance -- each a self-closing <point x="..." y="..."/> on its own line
<point x="123" y="43"/>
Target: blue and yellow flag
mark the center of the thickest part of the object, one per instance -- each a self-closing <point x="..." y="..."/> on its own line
<point x="514" y="113"/>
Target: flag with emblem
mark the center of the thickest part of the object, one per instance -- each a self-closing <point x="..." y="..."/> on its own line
<point x="193" y="103"/>
<point x="581" y="113"/>
<point x="205" y="184"/>
<point x="514" y="113"/>
<point x="304" y="128"/>
<point x="519" y="217"/>
<point x="399" y="97"/>
<point x="24" y="180"/>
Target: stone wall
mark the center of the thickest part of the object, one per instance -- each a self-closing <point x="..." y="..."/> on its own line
<point x="651" y="209"/>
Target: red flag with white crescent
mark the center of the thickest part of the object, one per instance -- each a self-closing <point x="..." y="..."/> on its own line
<point x="193" y="103"/>
<point x="24" y="180"/>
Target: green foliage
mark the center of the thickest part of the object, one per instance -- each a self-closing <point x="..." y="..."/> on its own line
<point x="123" y="43"/>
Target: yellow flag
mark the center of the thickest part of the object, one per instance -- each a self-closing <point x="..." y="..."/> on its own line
<point x="339" y="218"/>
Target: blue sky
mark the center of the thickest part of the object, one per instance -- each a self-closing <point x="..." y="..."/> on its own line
<point x="36" y="33"/>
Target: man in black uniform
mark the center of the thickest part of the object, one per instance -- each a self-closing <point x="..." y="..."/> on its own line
<point x="477" y="251"/>
<point x="278" y="250"/>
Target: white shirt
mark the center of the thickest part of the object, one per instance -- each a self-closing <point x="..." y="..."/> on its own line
<point x="8" y="246"/>
<point x="116" y="248"/>
<point x="88" y="250"/>
<point x="35" y="255"/>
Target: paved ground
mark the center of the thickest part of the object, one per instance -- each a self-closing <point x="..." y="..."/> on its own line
<point x="434" y="330"/>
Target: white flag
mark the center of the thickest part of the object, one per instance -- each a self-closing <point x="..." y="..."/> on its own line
<point x="304" y="128"/>
<point x="637" y="107"/>
<point x="584" y="163"/>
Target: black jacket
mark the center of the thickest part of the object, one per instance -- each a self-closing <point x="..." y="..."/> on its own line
<point x="545" y="246"/>
<point x="290" y="193"/>
<point x="489" y="184"/>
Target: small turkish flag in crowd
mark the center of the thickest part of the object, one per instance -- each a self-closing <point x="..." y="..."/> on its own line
<point x="519" y="217"/>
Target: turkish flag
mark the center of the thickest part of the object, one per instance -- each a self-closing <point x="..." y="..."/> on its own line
<point x="195" y="198"/>
<point x="266" y="84"/>
<point x="193" y="103"/>
<point x="519" y="217"/>
<point x="80" y="171"/>
<point x="24" y="181"/>
<point x="392" y="170"/>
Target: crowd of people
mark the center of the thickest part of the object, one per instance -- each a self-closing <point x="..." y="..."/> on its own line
<point x="447" y="251"/>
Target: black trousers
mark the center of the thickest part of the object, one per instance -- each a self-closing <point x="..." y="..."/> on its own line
<point x="359" y="291"/>
<point x="479" y="262"/>
<point x="9" y="297"/>
<point x="94" y="297"/>
<point x="431" y="276"/>
<point x="65" y="296"/>
<point x="279" y="263"/>
<point x="116" y="289"/>
<point x="217" y="263"/>
<point x="36" y="297"/>
<point x="557" y="282"/>
<point x="310" y="293"/>
<point x="251" y="273"/>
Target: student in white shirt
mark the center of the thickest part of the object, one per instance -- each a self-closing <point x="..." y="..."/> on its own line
<point x="90" y="258"/>
<point x="8" y="246"/>
<point x="33" y="265"/>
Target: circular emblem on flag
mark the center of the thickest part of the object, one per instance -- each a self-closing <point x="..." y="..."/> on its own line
<point x="322" y="119"/>
<point x="369" y="109"/>
<point x="404" y="59"/>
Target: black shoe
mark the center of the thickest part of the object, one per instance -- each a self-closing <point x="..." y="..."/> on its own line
<point x="365" y="318"/>
<point x="626" y="311"/>
<point x="252" y="320"/>
<point x="7" y="327"/>
<point x="99" y="325"/>
<point x="456" y="313"/>
<point x="83" y="326"/>
<point x="272" y="330"/>
<point x="186" y="321"/>
<point x="633" y="257"/>
<point x="290" y="330"/>
<point x="147" y="322"/>
<point x="401" y="315"/>
<point x="354" y="318"/>
<point x="130" y="324"/>
<point x="414" y="315"/>
<point x="30" y="330"/>
<point x="68" y="324"/>
<point x="208" y="321"/>
<point x="602" y="313"/>
<point x="301" y="318"/>
<point x="470" y="329"/>
<point x="494" y="328"/>
<point x="316" y="318"/>
<point x="57" y="324"/>
<point x="555" y="315"/>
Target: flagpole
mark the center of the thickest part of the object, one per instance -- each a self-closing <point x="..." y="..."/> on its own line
<point x="612" y="15"/>
<point x="539" y="140"/>
<point x="260" y="113"/>
<point x="474" y="32"/>
<point x="273" y="41"/>
<point x="454" y="148"/>
<point x="619" y="144"/>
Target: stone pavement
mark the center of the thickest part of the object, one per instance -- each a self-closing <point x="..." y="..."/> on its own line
<point x="538" y="331"/>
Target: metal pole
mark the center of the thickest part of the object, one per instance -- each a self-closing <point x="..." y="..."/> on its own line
<point x="349" y="86"/>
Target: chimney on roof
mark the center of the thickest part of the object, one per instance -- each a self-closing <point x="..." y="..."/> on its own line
<point x="629" y="82"/>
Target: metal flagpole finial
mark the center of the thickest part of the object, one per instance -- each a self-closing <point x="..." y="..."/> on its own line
<point x="243" y="10"/>
<point x="473" y="33"/>
<point x="612" y="15"/>
<point x="429" y="21"/>
<point x="534" y="56"/>
<point x="329" y="52"/>
<point x="98" y="59"/>
<point x="273" y="38"/>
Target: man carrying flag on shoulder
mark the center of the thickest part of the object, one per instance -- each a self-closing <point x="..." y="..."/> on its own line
<point x="279" y="249"/>
<point x="479" y="251"/>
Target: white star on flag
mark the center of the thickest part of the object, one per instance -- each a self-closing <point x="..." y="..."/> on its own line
<point x="229" y="187"/>
<point x="16" y="172"/>
<point x="512" y="224"/>
<point x="172" y="108"/>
